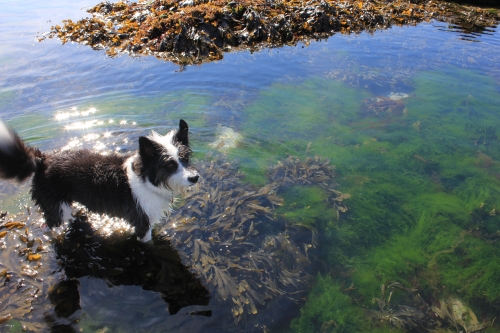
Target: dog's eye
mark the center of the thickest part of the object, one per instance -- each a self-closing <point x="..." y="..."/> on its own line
<point x="170" y="164"/>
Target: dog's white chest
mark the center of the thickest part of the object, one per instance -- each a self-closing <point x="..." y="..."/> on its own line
<point x="154" y="201"/>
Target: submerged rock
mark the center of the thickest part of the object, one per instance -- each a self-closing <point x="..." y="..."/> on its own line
<point x="397" y="96"/>
<point x="459" y="314"/>
<point x="226" y="138"/>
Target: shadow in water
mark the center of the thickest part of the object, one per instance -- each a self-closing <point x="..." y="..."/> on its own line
<point x="467" y="30"/>
<point x="119" y="260"/>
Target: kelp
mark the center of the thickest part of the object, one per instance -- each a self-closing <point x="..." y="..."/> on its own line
<point x="188" y="32"/>
<point x="384" y="106"/>
<point x="225" y="233"/>
<point x="232" y="234"/>
<point x="415" y="313"/>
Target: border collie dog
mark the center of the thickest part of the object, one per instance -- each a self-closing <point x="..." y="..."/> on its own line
<point x="138" y="187"/>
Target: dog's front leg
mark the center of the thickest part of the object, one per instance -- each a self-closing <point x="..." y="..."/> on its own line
<point x="147" y="237"/>
<point x="142" y="224"/>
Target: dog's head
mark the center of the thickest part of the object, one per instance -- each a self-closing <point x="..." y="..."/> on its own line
<point x="165" y="159"/>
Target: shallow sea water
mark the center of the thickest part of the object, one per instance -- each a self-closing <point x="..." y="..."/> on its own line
<point x="407" y="118"/>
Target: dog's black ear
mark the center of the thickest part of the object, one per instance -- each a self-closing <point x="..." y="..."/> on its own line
<point x="147" y="148"/>
<point x="182" y="134"/>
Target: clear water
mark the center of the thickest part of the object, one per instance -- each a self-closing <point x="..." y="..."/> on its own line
<point x="420" y="172"/>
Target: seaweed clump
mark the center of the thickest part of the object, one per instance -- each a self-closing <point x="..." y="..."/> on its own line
<point x="230" y="234"/>
<point x="417" y="314"/>
<point x="196" y="31"/>
<point x="310" y="171"/>
<point x="399" y="309"/>
<point x="21" y="272"/>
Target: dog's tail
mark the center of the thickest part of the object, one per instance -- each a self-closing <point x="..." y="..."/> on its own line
<point x="16" y="159"/>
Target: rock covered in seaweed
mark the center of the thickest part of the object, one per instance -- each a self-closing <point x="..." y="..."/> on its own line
<point x="194" y="31"/>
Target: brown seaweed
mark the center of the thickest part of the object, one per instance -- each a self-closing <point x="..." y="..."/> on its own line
<point x="20" y="271"/>
<point x="383" y="106"/>
<point x="228" y="233"/>
<point x="194" y="31"/>
<point x="219" y="232"/>
<point x="311" y="171"/>
<point x="414" y="313"/>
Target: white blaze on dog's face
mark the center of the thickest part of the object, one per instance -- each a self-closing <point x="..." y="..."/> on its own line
<point x="165" y="160"/>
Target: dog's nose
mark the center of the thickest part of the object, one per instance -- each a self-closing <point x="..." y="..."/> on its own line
<point x="194" y="179"/>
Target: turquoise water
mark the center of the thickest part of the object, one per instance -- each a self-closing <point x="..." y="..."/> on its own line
<point x="407" y="118"/>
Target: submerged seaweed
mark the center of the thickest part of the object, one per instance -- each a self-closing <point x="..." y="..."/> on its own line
<point x="24" y="270"/>
<point x="413" y="313"/>
<point x="425" y="190"/>
<point x="222" y="234"/>
<point x="229" y="233"/>
<point x="310" y="171"/>
<point x="423" y="213"/>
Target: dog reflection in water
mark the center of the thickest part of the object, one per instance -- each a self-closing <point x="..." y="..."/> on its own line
<point x="118" y="260"/>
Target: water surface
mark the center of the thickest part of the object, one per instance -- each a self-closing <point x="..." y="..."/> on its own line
<point x="407" y="117"/>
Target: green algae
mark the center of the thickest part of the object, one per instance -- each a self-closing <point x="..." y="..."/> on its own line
<point x="420" y="182"/>
<point x="472" y="269"/>
<point x="433" y="253"/>
<point x="14" y="326"/>
<point x="284" y="119"/>
<point x="306" y="206"/>
<point x="328" y="310"/>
